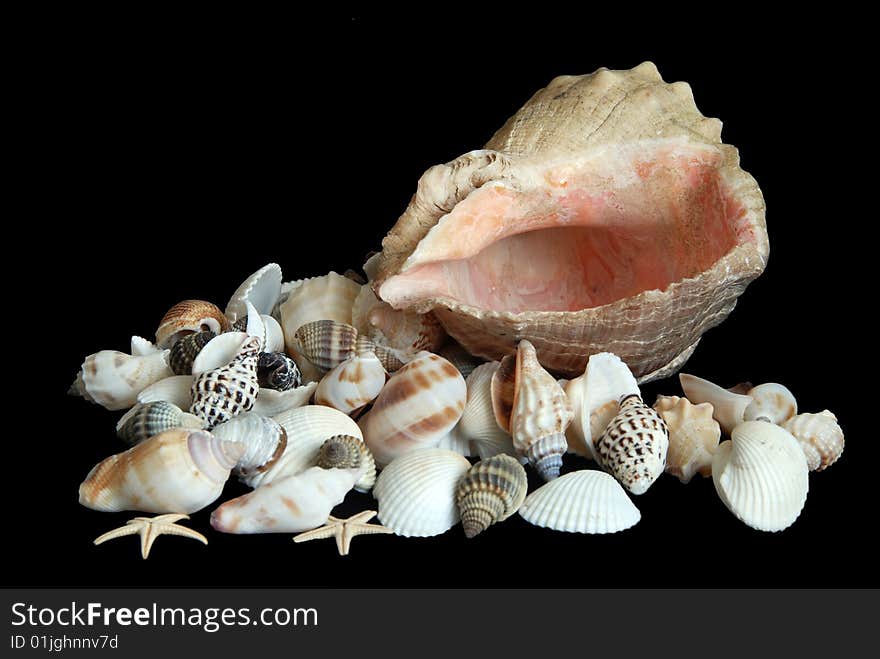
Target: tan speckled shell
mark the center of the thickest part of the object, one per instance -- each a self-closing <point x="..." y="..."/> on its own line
<point x="490" y="492"/>
<point x="820" y="437"/>
<point x="693" y="436"/>
<point x="577" y="117"/>
<point x="188" y="317"/>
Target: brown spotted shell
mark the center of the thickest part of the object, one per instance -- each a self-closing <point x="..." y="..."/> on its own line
<point x="348" y="452"/>
<point x="491" y="491"/>
<point x="222" y="393"/>
<point x="188" y="317"/>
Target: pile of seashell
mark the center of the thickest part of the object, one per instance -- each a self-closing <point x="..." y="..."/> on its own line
<point x="305" y="389"/>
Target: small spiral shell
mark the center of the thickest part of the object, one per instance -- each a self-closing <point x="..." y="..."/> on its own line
<point x="490" y="492"/>
<point x="222" y="393"/>
<point x="820" y="438"/>
<point x="277" y="371"/>
<point x="347" y="452"/>
<point x="184" y="352"/>
<point x="326" y="343"/>
<point x="146" y="420"/>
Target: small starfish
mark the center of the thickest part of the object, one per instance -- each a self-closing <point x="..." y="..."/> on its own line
<point x="344" y="530"/>
<point x="150" y="528"/>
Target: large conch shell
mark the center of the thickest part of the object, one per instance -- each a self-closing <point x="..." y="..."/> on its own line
<point x="605" y="215"/>
<point x="177" y="471"/>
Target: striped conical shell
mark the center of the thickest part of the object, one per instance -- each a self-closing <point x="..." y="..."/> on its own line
<point x="490" y="492"/>
<point x="184" y="352"/>
<point x="349" y="452"/>
<point x="220" y="394"/>
<point x="146" y="420"/>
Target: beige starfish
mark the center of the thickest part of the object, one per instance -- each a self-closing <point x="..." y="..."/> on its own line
<point x="344" y="530"/>
<point x="150" y="528"/>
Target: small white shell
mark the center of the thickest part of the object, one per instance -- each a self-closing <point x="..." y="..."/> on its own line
<point x="141" y="346"/>
<point x="693" y="436"/>
<point x="176" y="389"/>
<point x="761" y="475"/>
<point x="477" y="423"/>
<point x="289" y="505"/>
<point x="255" y="325"/>
<point x="352" y="384"/>
<point x="113" y="379"/>
<point x="581" y="502"/>
<point x="371" y="266"/>
<point x="416" y="492"/>
<point x="274" y="334"/>
<point x="727" y="407"/>
<point x="820" y="437"/>
<point x="271" y="402"/>
<point x="307" y="429"/>
<point x="218" y="351"/>
<point x="594" y="399"/>
<point x="772" y="402"/>
<point x="262" y="289"/>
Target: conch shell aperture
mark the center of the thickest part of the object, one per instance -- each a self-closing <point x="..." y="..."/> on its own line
<point x="605" y="215"/>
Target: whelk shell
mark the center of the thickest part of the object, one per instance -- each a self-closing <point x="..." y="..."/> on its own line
<point x="419" y="404"/>
<point x="221" y="393"/>
<point x="540" y="414"/>
<point x="275" y="370"/>
<point x="820" y="437"/>
<point x="352" y="384"/>
<point x="264" y="441"/>
<point x="261" y="289"/>
<point x="348" y="452"/>
<point x="634" y="445"/>
<point x="416" y="492"/>
<point x="113" y="379"/>
<point x="605" y="215"/>
<point x="490" y="492"/>
<point x="290" y="505"/>
<point x="188" y="317"/>
<point x="581" y="502"/>
<point x="728" y="407"/>
<point x="772" y="402"/>
<point x="177" y="471"/>
<point x="186" y="350"/>
<point x="693" y="436"/>
<point x="761" y="475"/>
<point x="146" y="420"/>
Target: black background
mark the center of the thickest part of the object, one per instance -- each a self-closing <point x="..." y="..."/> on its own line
<point x="170" y="163"/>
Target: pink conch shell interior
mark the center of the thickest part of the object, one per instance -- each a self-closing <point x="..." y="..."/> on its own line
<point x="585" y="233"/>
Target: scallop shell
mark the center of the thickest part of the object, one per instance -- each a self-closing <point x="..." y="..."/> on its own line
<point x="581" y="502"/>
<point x="275" y="370"/>
<point x="540" y="414"/>
<point x="221" y="393"/>
<point x="187" y="317"/>
<point x="420" y="404"/>
<point x="263" y="438"/>
<point x="177" y="471"/>
<point x="605" y="216"/>
<point x="352" y="384"/>
<point x="186" y="350"/>
<point x="307" y="429"/>
<point x="772" y="402"/>
<point x="490" y="492"/>
<point x="113" y="379"/>
<point x="290" y="505"/>
<point x="262" y="289"/>
<point x="146" y="420"/>
<point x="728" y="408"/>
<point x="272" y="403"/>
<point x="416" y="492"/>
<point x="219" y="351"/>
<point x="820" y="438"/>
<point x="693" y="436"/>
<point x="326" y="343"/>
<point x="634" y="445"/>
<point x="477" y="423"/>
<point x="594" y="398"/>
<point x="464" y="361"/>
<point x="761" y="475"/>
<point x="347" y="452"/>
<point x="175" y="389"/>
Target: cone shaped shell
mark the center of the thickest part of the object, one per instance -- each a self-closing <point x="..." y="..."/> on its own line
<point x="820" y="437"/>
<point x="348" y="452"/>
<point x="188" y="317"/>
<point x="184" y="352"/>
<point x="638" y="227"/>
<point x="761" y="475"/>
<point x="416" y="492"/>
<point x="490" y="492"/>
<point x="420" y="404"/>
<point x="290" y="505"/>
<point x="222" y="393"/>
<point x="581" y="502"/>
<point x="177" y="471"/>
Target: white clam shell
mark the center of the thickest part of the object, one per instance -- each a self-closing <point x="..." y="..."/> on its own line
<point x="416" y="492"/>
<point x="176" y="389"/>
<point x="271" y="402"/>
<point x="218" y="352"/>
<point x="261" y="289"/>
<point x="770" y="401"/>
<point x="761" y="475"/>
<point x="477" y="424"/>
<point x="594" y="399"/>
<point x="352" y="384"/>
<point x="727" y="407"/>
<point x="307" y="428"/>
<point x="417" y="407"/>
<point x="113" y="379"/>
<point x="581" y="502"/>
<point x="289" y="505"/>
